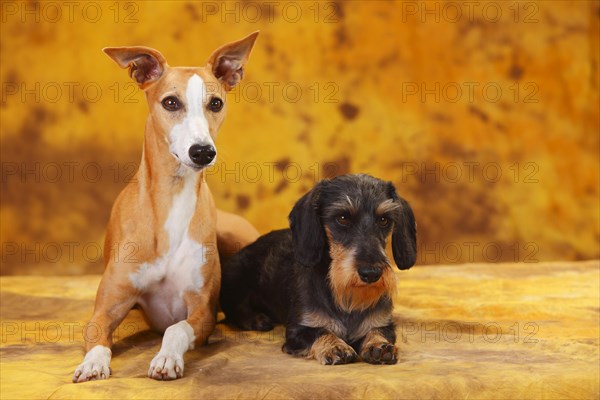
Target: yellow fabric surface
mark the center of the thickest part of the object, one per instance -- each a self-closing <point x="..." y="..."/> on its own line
<point x="449" y="322"/>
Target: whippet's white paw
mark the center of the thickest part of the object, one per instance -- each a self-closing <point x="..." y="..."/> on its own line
<point x="166" y="367"/>
<point x="95" y="365"/>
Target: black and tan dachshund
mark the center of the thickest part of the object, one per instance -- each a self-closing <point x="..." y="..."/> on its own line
<point x="328" y="277"/>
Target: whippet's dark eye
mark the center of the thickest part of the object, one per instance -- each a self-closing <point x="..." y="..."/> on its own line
<point x="215" y="105"/>
<point x="171" y="103"/>
<point x="343" y="219"/>
<point x="383" y="222"/>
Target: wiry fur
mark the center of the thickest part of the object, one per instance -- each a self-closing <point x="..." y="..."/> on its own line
<point x="328" y="277"/>
<point x="349" y="293"/>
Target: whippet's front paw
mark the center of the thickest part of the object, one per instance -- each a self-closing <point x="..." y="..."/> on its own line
<point x="95" y="365"/>
<point x="166" y="367"/>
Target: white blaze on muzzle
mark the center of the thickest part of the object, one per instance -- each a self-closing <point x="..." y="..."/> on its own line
<point x="194" y="128"/>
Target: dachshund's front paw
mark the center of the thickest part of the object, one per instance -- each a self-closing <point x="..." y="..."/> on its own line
<point x="331" y="350"/>
<point x="380" y="353"/>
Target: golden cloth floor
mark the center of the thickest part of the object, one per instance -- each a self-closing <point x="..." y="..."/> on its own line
<point x="473" y="331"/>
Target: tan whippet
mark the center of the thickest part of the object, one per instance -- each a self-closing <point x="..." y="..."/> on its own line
<point x="167" y="213"/>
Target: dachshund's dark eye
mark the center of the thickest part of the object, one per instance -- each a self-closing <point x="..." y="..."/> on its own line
<point x="343" y="219"/>
<point x="171" y="103"/>
<point x="215" y="105"/>
<point x="383" y="221"/>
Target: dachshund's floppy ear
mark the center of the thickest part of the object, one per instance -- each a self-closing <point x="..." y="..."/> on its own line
<point x="404" y="238"/>
<point x="308" y="234"/>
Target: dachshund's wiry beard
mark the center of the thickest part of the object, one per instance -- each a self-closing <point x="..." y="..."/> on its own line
<point x="349" y="292"/>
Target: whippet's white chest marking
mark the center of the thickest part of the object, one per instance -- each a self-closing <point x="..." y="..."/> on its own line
<point x="164" y="280"/>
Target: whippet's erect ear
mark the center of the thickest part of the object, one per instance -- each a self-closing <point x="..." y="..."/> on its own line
<point x="404" y="237"/>
<point x="145" y="65"/>
<point x="308" y="233"/>
<point x="227" y="62"/>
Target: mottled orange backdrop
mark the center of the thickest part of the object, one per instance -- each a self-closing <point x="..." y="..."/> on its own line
<point x="484" y="114"/>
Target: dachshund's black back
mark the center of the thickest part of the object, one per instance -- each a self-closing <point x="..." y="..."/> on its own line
<point x="256" y="280"/>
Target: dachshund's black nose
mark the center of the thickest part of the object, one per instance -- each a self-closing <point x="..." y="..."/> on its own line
<point x="369" y="274"/>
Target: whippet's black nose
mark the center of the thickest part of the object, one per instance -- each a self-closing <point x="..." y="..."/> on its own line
<point x="202" y="155"/>
<point x="369" y="274"/>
